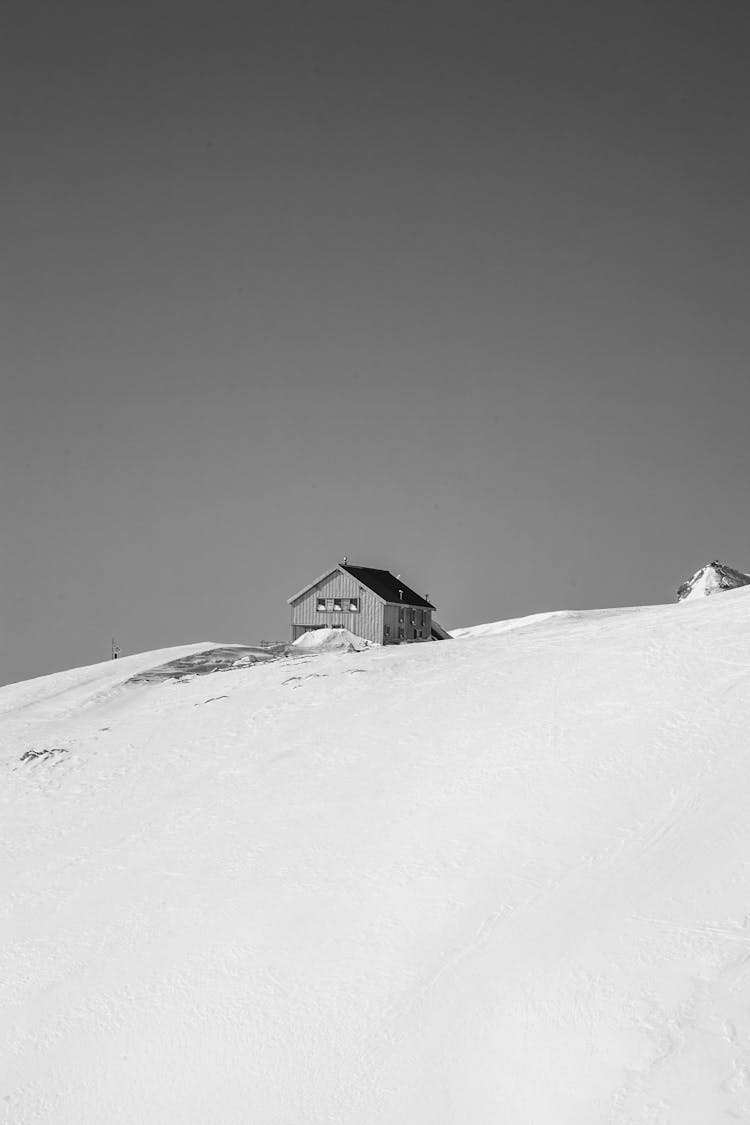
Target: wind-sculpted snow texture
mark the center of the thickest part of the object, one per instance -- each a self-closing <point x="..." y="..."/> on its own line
<point x="500" y="880"/>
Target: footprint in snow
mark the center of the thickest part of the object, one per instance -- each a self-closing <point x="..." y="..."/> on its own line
<point x="310" y="676"/>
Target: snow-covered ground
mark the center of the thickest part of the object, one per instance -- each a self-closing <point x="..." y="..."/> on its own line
<point x="500" y="879"/>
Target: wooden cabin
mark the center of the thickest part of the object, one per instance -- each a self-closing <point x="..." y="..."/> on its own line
<point x="373" y="604"/>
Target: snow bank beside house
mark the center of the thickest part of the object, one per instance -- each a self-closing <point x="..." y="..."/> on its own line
<point x="330" y="640"/>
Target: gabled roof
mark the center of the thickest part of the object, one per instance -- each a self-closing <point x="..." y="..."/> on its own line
<point x="382" y="583"/>
<point x="309" y="586"/>
<point x="386" y="585"/>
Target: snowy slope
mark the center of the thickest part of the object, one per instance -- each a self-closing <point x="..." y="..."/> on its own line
<point x="502" y="879"/>
<point x="493" y="628"/>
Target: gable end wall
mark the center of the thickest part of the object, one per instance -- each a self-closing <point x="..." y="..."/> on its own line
<point x="367" y="623"/>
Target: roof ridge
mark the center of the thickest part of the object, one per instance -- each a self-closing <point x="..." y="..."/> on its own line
<point x="386" y="585"/>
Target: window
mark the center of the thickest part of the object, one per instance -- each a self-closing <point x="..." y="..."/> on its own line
<point x="337" y="605"/>
<point x="412" y="616"/>
<point x="401" y="617"/>
<point x="387" y="630"/>
<point x="354" y="605"/>
<point x="421" y="618"/>
<point x="321" y="605"/>
<point x="401" y="632"/>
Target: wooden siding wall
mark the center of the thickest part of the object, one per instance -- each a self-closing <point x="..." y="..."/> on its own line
<point x="367" y="623"/>
<point x="390" y="617"/>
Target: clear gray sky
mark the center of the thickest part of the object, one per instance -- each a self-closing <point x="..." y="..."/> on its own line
<point x="457" y="289"/>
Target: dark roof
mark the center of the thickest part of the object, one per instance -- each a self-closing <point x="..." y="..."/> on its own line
<point x="386" y="585"/>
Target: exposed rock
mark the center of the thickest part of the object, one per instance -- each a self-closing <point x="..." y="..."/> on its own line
<point x="221" y="658"/>
<point x="712" y="579"/>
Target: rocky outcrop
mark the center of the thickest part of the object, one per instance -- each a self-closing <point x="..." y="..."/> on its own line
<point x="712" y="579"/>
<point x="219" y="658"/>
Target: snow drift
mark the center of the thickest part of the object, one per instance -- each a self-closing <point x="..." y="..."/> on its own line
<point x="498" y="880"/>
<point x="330" y="640"/>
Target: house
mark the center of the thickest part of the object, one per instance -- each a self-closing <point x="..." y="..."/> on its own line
<point x="371" y="603"/>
